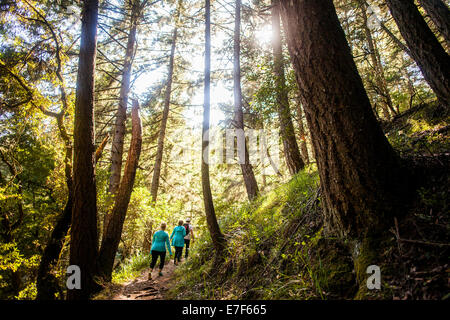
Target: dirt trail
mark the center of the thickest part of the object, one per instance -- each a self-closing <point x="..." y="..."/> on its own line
<point x="143" y="289"/>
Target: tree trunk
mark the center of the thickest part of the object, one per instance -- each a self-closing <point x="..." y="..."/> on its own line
<point x="377" y="66"/>
<point x="84" y="237"/>
<point x="395" y="39"/>
<point x="47" y="284"/>
<point x="440" y="15"/>
<point x="162" y="131"/>
<point x="217" y="237"/>
<point x="302" y="131"/>
<point x="147" y="242"/>
<point x="425" y="49"/>
<point x="359" y="171"/>
<point x="111" y="238"/>
<point x="247" y="170"/>
<point x="291" y="152"/>
<point x="121" y="117"/>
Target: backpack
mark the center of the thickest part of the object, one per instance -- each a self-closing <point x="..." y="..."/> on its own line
<point x="186" y="226"/>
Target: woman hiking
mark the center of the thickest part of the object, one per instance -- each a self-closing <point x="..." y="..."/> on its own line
<point x="159" y="243"/>
<point x="177" y="238"/>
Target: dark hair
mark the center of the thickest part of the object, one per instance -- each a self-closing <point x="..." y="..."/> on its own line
<point x="180" y="222"/>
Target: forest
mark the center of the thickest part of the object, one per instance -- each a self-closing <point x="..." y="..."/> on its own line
<point x="298" y="148"/>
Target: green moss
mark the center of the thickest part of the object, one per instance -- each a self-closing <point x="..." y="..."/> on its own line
<point x="371" y="251"/>
<point x="333" y="268"/>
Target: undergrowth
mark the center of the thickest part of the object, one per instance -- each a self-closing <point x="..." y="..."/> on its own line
<point x="267" y="249"/>
<point x="276" y="248"/>
<point x="131" y="267"/>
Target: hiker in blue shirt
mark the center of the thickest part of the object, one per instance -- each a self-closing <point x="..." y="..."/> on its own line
<point x="159" y="243"/>
<point x="177" y="238"/>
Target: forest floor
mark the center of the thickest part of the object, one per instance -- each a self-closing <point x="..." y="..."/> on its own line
<point x="141" y="288"/>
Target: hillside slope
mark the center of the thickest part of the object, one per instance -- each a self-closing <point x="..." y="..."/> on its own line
<point x="277" y="248"/>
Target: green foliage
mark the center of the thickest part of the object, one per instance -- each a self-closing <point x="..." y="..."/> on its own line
<point x="421" y="131"/>
<point x="131" y="268"/>
<point x="30" y="198"/>
<point x="13" y="264"/>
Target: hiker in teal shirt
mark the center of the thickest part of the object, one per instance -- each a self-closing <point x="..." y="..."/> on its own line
<point x="177" y="238"/>
<point x="159" y="243"/>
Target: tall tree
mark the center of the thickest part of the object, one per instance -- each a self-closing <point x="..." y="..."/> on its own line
<point x="360" y="174"/>
<point x="165" y="115"/>
<point x="440" y="15"/>
<point x="303" y="134"/>
<point x="121" y="117"/>
<point x="84" y="236"/>
<point x="287" y="133"/>
<point x="46" y="283"/>
<point x="247" y="170"/>
<point x="425" y="49"/>
<point x="380" y="78"/>
<point x="211" y="219"/>
<point x="111" y="238"/>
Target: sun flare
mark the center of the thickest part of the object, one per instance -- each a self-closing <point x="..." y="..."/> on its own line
<point x="264" y="35"/>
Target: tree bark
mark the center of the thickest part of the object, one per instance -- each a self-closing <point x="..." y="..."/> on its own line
<point x="217" y="237"/>
<point x="84" y="237"/>
<point x="440" y="15"/>
<point x="360" y="174"/>
<point x="121" y="117"/>
<point x="291" y="152"/>
<point x="165" y="115"/>
<point x="111" y="238"/>
<point x="425" y="49"/>
<point x="247" y="170"/>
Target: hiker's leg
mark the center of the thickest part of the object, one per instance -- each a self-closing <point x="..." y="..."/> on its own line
<point x="154" y="258"/>
<point x="152" y="264"/>
<point x="162" y="258"/>
<point x="178" y="253"/>
<point x="187" y="242"/>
